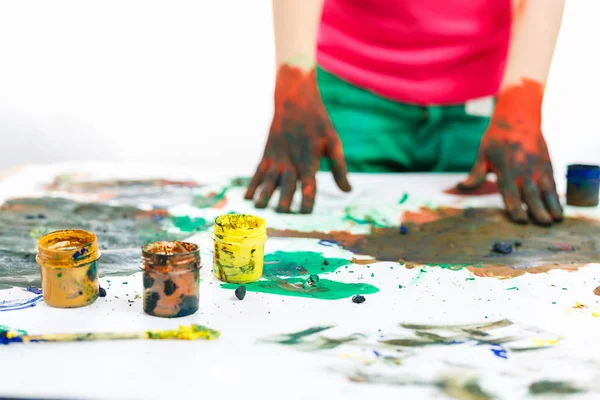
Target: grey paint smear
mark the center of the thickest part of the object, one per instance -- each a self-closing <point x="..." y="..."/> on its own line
<point x="121" y="231"/>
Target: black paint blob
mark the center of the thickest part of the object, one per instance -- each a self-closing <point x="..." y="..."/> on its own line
<point x="189" y="305"/>
<point x="358" y="299"/>
<point x="148" y="281"/>
<point x="502" y="247"/>
<point x="170" y="287"/>
<point x="151" y="300"/>
<point x="102" y="292"/>
<point x="240" y="292"/>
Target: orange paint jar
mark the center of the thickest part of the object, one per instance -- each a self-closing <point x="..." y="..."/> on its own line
<point x="171" y="272"/>
<point x="68" y="262"/>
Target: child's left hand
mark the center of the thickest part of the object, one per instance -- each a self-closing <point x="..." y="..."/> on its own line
<point x="514" y="148"/>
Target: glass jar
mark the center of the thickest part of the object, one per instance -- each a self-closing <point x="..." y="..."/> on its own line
<point x="171" y="273"/>
<point x="239" y="250"/>
<point x="68" y="262"/>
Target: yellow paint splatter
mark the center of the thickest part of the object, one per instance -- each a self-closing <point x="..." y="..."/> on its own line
<point x="545" y="342"/>
<point x="192" y="332"/>
<point x="595" y="314"/>
<point x="579" y="306"/>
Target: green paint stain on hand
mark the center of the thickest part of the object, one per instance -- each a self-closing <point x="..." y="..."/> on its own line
<point x="187" y="224"/>
<point x="403" y="199"/>
<point x="59" y="275"/>
<point x="299" y="287"/>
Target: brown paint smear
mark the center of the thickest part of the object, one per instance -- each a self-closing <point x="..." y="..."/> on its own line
<point x="452" y="237"/>
<point x="488" y="187"/>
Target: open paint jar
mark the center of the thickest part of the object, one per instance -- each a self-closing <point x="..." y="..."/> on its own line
<point x="171" y="272"/>
<point x="583" y="185"/>
<point x="239" y="248"/>
<point x="68" y="267"/>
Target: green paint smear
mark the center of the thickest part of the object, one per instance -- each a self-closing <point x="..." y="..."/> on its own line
<point x="294" y="265"/>
<point x="367" y="221"/>
<point x="297" y="287"/>
<point x="187" y="224"/>
<point x="512" y="288"/>
<point x="19" y="332"/>
<point x="417" y="278"/>
<point x="553" y="387"/>
<point x="403" y="199"/>
<point x="297" y="263"/>
<point x="201" y="201"/>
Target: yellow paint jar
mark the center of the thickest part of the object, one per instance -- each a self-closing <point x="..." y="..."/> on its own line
<point x="239" y="248"/>
<point x="68" y="266"/>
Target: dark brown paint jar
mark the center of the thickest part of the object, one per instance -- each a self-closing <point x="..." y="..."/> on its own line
<point x="171" y="272"/>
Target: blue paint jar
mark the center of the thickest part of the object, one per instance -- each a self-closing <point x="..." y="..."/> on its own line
<point x="583" y="185"/>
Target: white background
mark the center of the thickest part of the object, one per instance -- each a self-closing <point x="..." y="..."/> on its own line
<point x="190" y="82"/>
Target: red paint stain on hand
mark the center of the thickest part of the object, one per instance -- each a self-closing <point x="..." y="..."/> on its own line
<point x="514" y="148"/>
<point x="301" y="134"/>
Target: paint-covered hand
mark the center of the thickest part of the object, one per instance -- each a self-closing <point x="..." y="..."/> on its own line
<point x="514" y="148"/>
<point x="300" y="135"/>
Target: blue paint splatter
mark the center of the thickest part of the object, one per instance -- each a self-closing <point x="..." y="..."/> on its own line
<point x="378" y="354"/>
<point x="6" y="340"/>
<point x="499" y="351"/>
<point x="403" y="230"/>
<point x="328" y="243"/>
<point x="20" y="304"/>
<point x="34" y="290"/>
<point x="79" y="254"/>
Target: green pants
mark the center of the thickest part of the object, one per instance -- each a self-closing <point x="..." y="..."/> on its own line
<point x="381" y="135"/>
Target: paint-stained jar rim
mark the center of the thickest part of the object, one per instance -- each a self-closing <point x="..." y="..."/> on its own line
<point x="67" y="248"/>
<point x="163" y="262"/>
<point x="582" y="171"/>
<point x="238" y="227"/>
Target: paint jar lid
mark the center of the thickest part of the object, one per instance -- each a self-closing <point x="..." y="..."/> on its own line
<point x="580" y="171"/>
<point x="67" y="248"/>
<point x="237" y="227"/>
<point x="167" y="255"/>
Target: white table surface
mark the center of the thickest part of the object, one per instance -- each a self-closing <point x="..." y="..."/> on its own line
<point x="237" y="366"/>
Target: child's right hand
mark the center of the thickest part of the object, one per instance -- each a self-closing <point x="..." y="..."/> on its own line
<point x="300" y="135"/>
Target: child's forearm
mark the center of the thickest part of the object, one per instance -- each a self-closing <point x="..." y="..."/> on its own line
<point x="535" y="26"/>
<point x="296" y="24"/>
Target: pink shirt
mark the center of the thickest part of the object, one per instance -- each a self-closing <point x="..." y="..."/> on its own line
<point x="424" y="52"/>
